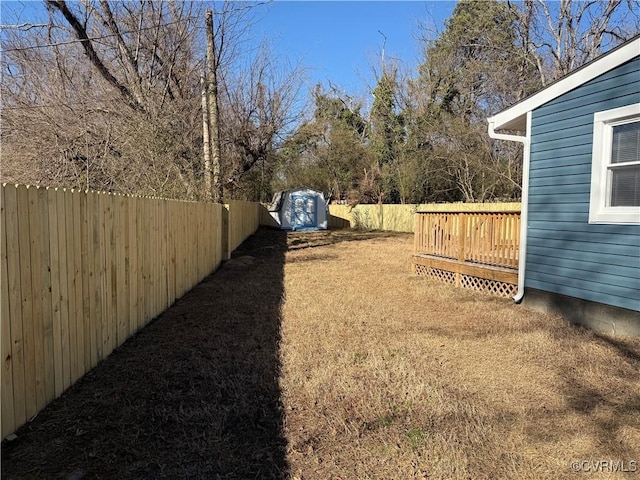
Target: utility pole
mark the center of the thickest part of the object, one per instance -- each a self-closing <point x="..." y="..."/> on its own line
<point x="206" y="142"/>
<point x="214" y="111"/>
<point x="384" y="46"/>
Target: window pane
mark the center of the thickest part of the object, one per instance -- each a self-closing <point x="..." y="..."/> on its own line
<point x="625" y="187"/>
<point x="626" y="143"/>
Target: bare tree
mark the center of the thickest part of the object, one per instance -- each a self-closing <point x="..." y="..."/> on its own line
<point x="121" y="108"/>
<point x="261" y="104"/>
<point x="561" y="36"/>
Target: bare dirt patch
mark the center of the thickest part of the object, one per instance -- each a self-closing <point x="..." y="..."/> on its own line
<point x="319" y="355"/>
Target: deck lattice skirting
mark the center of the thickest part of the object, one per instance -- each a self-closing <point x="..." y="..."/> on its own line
<point x="469" y="249"/>
<point x="481" y="278"/>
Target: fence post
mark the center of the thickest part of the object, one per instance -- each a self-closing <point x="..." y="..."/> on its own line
<point x="224" y="232"/>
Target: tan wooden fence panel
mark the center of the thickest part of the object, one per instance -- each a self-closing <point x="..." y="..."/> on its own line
<point x="81" y="272"/>
<point x="395" y="218"/>
<point x="339" y="216"/>
<point x="244" y="219"/>
<point x="265" y="217"/>
<point x="401" y="218"/>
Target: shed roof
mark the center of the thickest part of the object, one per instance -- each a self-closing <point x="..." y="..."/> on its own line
<point x="278" y="197"/>
<point x="515" y="117"/>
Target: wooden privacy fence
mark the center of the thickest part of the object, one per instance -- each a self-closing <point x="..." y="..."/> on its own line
<point x="476" y="248"/>
<point x="243" y="219"/>
<point x="394" y="218"/>
<point x="83" y="271"/>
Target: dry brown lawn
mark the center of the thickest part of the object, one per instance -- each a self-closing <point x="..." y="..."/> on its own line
<point x="389" y="375"/>
<point x="320" y="356"/>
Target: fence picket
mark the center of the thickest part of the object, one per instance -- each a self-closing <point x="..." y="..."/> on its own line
<point x="141" y="243"/>
<point x="119" y="261"/>
<point x="36" y="236"/>
<point x="171" y="255"/>
<point x="7" y="405"/>
<point x="10" y="203"/>
<point x="107" y="297"/>
<point x="90" y="271"/>
<point x="77" y="282"/>
<point x="71" y="290"/>
<point x="133" y="265"/>
<point x="123" y="292"/>
<point x="85" y="268"/>
<point x="27" y="302"/>
<point x="47" y="271"/>
<point x="98" y="265"/>
<point x="63" y="288"/>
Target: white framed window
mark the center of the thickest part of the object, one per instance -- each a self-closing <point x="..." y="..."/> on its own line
<point x="615" y="169"/>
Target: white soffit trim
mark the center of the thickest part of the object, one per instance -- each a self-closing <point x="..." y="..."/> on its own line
<point x="515" y="117"/>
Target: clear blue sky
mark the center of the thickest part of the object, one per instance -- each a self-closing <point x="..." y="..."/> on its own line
<point x="340" y="41"/>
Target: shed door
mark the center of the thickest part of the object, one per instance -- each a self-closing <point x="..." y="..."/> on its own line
<point x="304" y="211"/>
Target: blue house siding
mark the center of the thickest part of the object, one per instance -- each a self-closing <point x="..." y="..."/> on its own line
<point x="565" y="254"/>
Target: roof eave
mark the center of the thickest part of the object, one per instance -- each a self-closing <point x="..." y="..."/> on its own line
<point x="517" y="124"/>
<point x="515" y="117"/>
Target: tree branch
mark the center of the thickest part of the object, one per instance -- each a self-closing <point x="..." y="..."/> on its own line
<point x="92" y="55"/>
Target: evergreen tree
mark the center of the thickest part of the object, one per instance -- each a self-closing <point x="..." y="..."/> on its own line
<point x="467" y="74"/>
<point x="387" y="135"/>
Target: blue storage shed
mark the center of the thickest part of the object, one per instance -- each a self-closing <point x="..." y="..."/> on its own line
<point x="300" y="209"/>
<point x="580" y="238"/>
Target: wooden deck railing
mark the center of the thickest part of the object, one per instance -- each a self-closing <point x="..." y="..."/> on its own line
<point x="476" y="249"/>
<point x="489" y="238"/>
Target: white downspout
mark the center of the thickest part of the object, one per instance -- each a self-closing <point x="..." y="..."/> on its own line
<point x="526" y="142"/>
